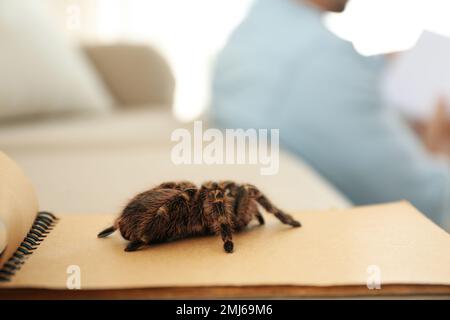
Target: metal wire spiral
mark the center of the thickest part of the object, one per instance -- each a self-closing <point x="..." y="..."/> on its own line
<point x="43" y="224"/>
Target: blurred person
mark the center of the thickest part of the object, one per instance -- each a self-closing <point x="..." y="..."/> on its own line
<point x="282" y="68"/>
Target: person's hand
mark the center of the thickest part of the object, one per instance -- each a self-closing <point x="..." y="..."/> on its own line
<point x="436" y="133"/>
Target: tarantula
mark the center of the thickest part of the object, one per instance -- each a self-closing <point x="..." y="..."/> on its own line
<point x="175" y="210"/>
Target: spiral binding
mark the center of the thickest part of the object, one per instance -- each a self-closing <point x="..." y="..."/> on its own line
<point x="43" y="224"/>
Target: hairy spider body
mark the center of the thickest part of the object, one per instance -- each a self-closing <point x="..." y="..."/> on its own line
<point x="176" y="210"/>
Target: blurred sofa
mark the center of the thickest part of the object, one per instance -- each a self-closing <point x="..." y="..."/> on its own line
<point x="95" y="162"/>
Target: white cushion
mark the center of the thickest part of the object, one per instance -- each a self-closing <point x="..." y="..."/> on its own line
<point x="119" y="127"/>
<point x="41" y="72"/>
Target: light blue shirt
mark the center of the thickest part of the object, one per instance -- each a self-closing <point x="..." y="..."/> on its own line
<point x="283" y="69"/>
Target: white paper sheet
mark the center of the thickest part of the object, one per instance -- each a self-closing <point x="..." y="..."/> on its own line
<point x="418" y="78"/>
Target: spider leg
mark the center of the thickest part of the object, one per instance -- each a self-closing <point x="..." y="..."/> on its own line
<point x="134" y="245"/>
<point x="225" y="225"/>
<point x="260" y="218"/>
<point x="244" y="204"/>
<point x="226" y="233"/>
<point x="221" y="214"/>
<point x="107" y="232"/>
<point x="259" y="197"/>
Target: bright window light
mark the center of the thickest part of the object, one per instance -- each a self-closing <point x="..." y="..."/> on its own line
<point x="188" y="33"/>
<point x="382" y="26"/>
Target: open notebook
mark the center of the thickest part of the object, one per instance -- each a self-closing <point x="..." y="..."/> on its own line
<point x="337" y="252"/>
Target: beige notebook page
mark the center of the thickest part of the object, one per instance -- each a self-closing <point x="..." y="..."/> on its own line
<point x="18" y="207"/>
<point x="332" y="248"/>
